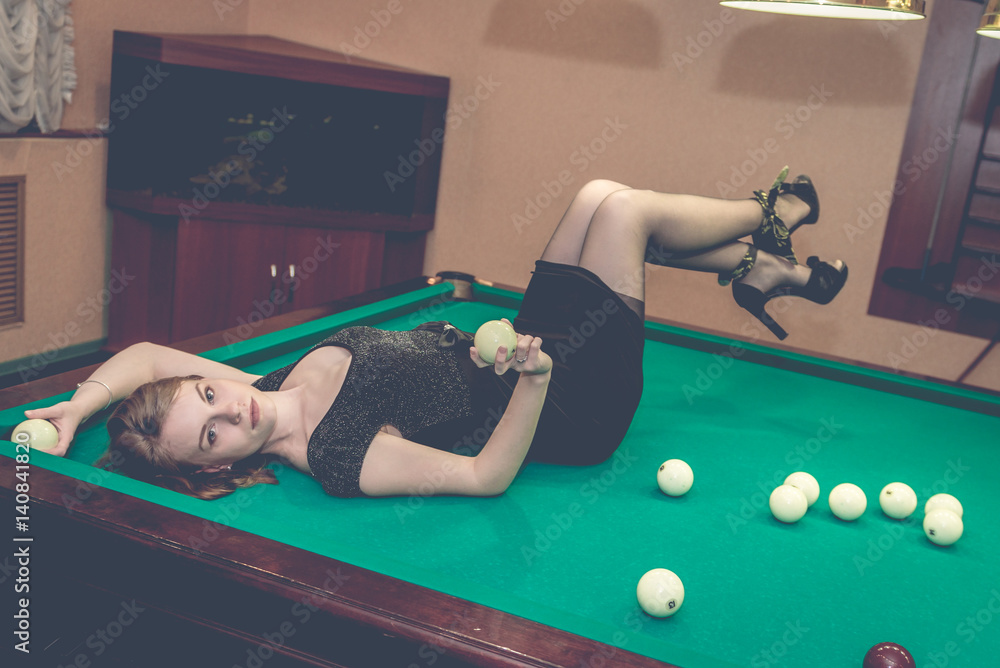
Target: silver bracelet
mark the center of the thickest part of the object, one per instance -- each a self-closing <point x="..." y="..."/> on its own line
<point x="111" y="395"/>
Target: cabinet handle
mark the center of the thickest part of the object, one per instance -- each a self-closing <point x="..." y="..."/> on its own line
<point x="291" y="288"/>
<point x="274" y="271"/>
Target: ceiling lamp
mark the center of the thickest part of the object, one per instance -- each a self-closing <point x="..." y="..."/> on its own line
<point x="883" y="10"/>
<point x="989" y="25"/>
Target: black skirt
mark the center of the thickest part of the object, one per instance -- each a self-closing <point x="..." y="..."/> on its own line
<point x="596" y="343"/>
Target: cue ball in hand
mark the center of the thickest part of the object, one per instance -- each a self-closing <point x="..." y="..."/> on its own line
<point x="674" y="477"/>
<point x="490" y="336"/>
<point x="806" y="483"/>
<point x="943" y="527"/>
<point x="660" y="592"/>
<point x="39" y="434"/>
<point x="888" y="655"/>
<point x="788" y="503"/>
<point x="946" y="501"/>
<point x="848" y="501"/>
<point x="898" y="500"/>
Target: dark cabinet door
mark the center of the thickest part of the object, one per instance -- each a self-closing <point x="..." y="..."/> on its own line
<point x="323" y="264"/>
<point x="224" y="275"/>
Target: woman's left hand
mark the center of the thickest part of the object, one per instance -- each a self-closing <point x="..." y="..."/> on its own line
<point x="528" y="357"/>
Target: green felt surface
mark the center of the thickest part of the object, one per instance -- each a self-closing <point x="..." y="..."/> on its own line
<point x="565" y="546"/>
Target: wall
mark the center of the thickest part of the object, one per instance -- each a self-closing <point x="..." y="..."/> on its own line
<point x="677" y="97"/>
<point x="67" y="278"/>
<point x="690" y="97"/>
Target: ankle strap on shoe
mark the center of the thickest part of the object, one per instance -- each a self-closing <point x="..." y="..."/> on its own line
<point x="742" y="269"/>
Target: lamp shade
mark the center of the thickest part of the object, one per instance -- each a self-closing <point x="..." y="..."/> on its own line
<point x="989" y="25"/>
<point x="881" y="10"/>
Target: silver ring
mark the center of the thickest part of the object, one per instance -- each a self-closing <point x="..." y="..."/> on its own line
<point x="522" y="361"/>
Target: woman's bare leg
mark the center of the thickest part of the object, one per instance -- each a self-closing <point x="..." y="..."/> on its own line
<point x="566" y="242"/>
<point x="613" y="231"/>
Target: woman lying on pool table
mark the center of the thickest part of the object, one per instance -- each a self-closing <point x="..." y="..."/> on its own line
<point x="372" y="412"/>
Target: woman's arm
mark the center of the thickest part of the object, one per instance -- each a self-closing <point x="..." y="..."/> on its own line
<point x="121" y="375"/>
<point x="395" y="466"/>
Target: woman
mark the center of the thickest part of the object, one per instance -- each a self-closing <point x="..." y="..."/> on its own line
<point x="360" y="409"/>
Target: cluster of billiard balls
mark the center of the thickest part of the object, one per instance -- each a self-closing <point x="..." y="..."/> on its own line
<point x="942" y="512"/>
<point x="660" y="592"/>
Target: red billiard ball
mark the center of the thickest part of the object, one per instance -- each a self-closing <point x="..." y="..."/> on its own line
<point x="888" y="655"/>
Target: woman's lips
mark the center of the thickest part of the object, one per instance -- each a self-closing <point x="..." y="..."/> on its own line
<point x="254" y="413"/>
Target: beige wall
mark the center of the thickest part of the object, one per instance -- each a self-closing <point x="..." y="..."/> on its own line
<point x="694" y="92"/>
<point x="67" y="280"/>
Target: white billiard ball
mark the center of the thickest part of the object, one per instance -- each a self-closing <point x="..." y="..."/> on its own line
<point x="898" y="500"/>
<point x="946" y="501"/>
<point x="806" y="483"/>
<point x="848" y="501"/>
<point x="660" y="592"/>
<point x="674" y="477"/>
<point x="40" y="434"/>
<point x="943" y="526"/>
<point x="490" y="336"/>
<point x="788" y="503"/>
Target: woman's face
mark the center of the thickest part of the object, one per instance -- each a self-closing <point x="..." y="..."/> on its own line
<point x="213" y="423"/>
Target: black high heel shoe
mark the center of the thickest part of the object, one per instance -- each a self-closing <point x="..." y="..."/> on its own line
<point x="773" y="235"/>
<point x="823" y="285"/>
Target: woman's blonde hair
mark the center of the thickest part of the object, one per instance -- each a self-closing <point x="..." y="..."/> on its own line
<point x="136" y="451"/>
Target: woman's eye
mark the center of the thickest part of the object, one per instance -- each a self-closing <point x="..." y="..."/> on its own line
<point x="211" y="435"/>
<point x="210" y="395"/>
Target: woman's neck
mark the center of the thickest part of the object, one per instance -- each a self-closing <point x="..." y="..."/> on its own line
<point x="288" y="434"/>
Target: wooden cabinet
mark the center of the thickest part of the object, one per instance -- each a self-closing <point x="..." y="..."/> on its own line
<point x="186" y="278"/>
<point x="223" y="215"/>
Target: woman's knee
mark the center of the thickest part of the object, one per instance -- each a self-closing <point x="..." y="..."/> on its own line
<point x="619" y="209"/>
<point x="597" y="190"/>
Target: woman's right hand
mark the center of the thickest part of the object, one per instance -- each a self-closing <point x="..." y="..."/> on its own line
<point x="65" y="417"/>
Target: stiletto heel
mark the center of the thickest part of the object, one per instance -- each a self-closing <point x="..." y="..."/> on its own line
<point x="753" y="300"/>
<point x="824" y="283"/>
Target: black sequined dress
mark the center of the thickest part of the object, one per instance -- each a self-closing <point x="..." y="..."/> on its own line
<point x="423" y="383"/>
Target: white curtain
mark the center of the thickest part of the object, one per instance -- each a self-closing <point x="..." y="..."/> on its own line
<point x="37" y="73"/>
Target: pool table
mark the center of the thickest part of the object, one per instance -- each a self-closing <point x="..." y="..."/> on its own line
<point x="123" y="572"/>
